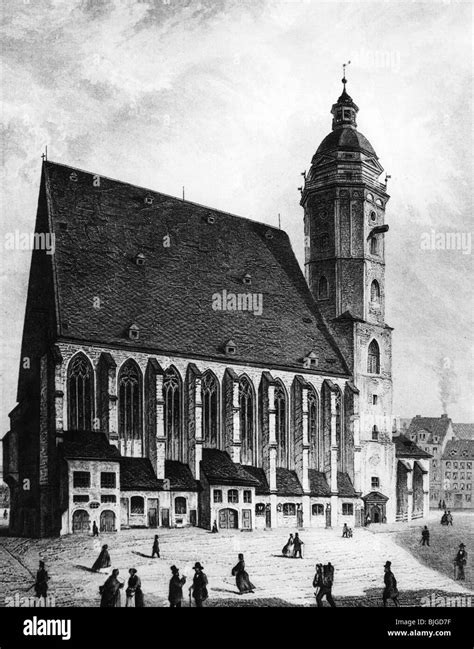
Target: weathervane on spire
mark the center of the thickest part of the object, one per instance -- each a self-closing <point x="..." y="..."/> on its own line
<point x="344" y="80"/>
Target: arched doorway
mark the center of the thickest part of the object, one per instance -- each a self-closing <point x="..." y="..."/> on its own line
<point x="375" y="514"/>
<point x="107" y="521"/>
<point x="228" y="519"/>
<point x="80" y="521"/>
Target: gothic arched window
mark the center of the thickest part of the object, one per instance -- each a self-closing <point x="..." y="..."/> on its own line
<point x="280" y="425"/>
<point x="172" y="415"/>
<point x="323" y="288"/>
<point x="375" y="291"/>
<point x="129" y="401"/>
<point x="80" y="382"/>
<point x="246" y="411"/>
<point x="313" y="427"/>
<point x="373" y="358"/>
<point x="210" y="409"/>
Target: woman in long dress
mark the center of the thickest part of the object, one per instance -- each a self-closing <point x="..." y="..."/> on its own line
<point x="288" y="548"/>
<point x="110" y="591"/>
<point x="134" y="590"/>
<point x="103" y="560"/>
<point x="241" y="577"/>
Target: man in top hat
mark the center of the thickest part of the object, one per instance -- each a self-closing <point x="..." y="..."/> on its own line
<point x="199" y="587"/>
<point x="41" y="583"/>
<point x="175" y="594"/>
<point x="460" y="561"/>
<point x="390" y="590"/>
<point x="297" y="546"/>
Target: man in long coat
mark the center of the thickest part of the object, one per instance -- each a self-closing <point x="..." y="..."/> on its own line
<point x="156" y="547"/>
<point x="460" y="561"/>
<point x="199" y="587"/>
<point x="41" y="583"/>
<point x="390" y="590"/>
<point x="425" y="536"/>
<point x="110" y="591"/>
<point x="175" y="593"/>
<point x="298" y="544"/>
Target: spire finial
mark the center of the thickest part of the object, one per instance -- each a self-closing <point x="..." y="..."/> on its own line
<point x="344" y="80"/>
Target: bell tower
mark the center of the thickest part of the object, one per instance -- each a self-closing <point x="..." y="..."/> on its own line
<point x="344" y="206"/>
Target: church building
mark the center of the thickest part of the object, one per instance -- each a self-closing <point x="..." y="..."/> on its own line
<point x="178" y="368"/>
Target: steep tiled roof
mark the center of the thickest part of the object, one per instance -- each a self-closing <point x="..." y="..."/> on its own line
<point x="459" y="449"/>
<point x="464" y="431"/>
<point x="219" y="469"/>
<point x="180" y="476"/>
<point x="99" y="230"/>
<point x="137" y="473"/>
<point x="288" y="483"/>
<point x="435" y="425"/>
<point x="83" y="445"/>
<point x="259" y="474"/>
<point x="404" y="447"/>
<point x="344" y="485"/>
<point x="318" y="484"/>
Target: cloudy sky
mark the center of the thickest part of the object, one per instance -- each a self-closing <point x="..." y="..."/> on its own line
<point x="231" y="99"/>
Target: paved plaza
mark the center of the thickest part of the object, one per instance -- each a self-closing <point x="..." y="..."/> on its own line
<point x="281" y="581"/>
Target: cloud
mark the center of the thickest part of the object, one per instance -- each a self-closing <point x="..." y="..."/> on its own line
<point x="231" y="99"/>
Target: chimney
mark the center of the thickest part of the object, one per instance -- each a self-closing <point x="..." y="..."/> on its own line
<point x="444" y="415"/>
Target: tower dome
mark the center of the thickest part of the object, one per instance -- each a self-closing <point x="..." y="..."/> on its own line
<point x="344" y="135"/>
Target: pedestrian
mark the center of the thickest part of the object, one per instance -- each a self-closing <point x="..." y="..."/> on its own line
<point x="390" y="590"/>
<point x="288" y="547"/>
<point x="95" y="529"/>
<point x="175" y="593"/>
<point x="156" y="547"/>
<point x="443" y="505"/>
<point x="323" y="581"/>
<point x="41" y="583"/>
<point x="349" y="532"/>
<point x="110" y="591"/>
<point x="444" y="518"/>
<point x="460" y="561"/>
<point x="5" y="514"/>
<point x="298" y="546"/>
<point x="241" y="577"/>
<point x="425" y="536"/>
<point x="199" y="586"/>
<point x="134" y="590"/>
<point x="345" y="531"/>
<point x="440" y="505"/>
<point x="450" y="518"/>
<point x="214" y="527"/>
<point x="103" y="560"/>
<point x="367" y="520"/>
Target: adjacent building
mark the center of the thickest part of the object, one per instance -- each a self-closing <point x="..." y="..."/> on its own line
<point x="432" y="434"/>
<point x="456" y="466"/>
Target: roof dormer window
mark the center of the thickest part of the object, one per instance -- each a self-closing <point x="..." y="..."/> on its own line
<point x="247" y="279"/>
<point x="140" y="259"/>
<point x="310" y="361"/>
<point x="148" y="200"/>
<point x="134" y="332"/>
<point x="211" y="219"/>
<point x="230" y="347"/>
